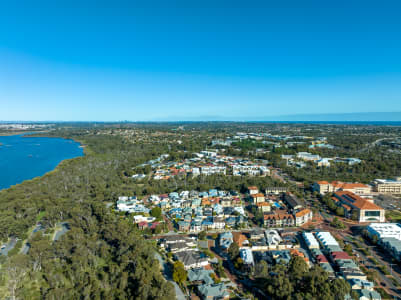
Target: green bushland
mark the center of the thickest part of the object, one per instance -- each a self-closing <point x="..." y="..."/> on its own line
<point x="102" y="256"/>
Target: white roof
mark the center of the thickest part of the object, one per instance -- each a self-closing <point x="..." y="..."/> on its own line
<point x="246" y="255"/>
<point x="326" y="239"/>
<point x="310" y="239"/>
<point x="385" y="230"/>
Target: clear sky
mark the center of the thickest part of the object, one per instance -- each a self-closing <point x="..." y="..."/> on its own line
<point x="197" y="60"/>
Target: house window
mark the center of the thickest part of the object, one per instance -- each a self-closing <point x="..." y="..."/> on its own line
<point x="372" y="213"/>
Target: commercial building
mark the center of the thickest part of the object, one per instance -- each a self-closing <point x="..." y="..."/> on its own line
<point x="308" y="156"/>
<point x="366" y="210"/>
<point x="389" y="237"/>
<point x="385" y="230"/>
<point x="324" y="187"/>
<point x="387" y="186"/>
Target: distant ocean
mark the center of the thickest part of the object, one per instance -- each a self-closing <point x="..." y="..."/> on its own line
<point x="23" y="158"/>
<point x="377" y="123"/>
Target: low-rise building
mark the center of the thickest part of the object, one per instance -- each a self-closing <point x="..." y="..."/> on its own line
<point x="279" y="219"/>
<point x="264" y="206"/>
<point x="310" y="240"/>
<point x="326" y="239"/>
<point x="225" y="240"/>
<point x="385" y="230"/>
<point x="358" y="284"/>
<point x="213" y="291"/>
<point x="308" y="156"/>
<point x="365" y="294"/>
<point x="253" y="190"/>
<point x="292" y="201"/>
<point x="276" y="190"/>
<point x="387" y="186"/>
<point x="303" y="216"/>
<point x="273" y="239"/>
<point x="191" y="259"/>
<point x="257" y="198"/>
<point x="324" y="187"/>
<point x="366" y="210"/>
<point x="247" y="257"/>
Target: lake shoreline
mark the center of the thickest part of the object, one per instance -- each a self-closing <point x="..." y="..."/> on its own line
<point x="34" y="160"/>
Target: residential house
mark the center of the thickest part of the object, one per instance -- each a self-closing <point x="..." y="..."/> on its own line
<point x="225" y="240"/>
<point x="196" y="226"/>
<point x="247" y="257"/>
<point x="200" y="276"/>
<point x="365" y="294"/>
<point x="273" y="238"/>
<point x="310" y="240"/>
<point x="183" y="225"/>
<point x="256" y="234"/>
<point x="226" y="201"/>
<point x="358" y="284"/>
<point x="213" y="291"/>
<point x="240" y="239"/>
<point x="217" y="209"/>
<point x="191" y="259"/>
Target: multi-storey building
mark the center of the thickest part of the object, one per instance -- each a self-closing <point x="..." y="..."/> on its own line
<point x="324" y="187"/>
<point x="366" y="210"/>
<point x="387" y="186"/>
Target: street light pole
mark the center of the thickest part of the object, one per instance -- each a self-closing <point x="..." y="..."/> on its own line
<point x="391" y="268"/>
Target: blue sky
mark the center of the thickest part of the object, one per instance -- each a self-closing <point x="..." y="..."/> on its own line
<point x="197" y="60"/>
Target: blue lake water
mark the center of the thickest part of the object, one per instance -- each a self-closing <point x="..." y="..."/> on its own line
<point x="23" y="158"/>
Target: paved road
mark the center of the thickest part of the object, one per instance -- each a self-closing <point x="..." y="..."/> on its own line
<point x="9" y="246"/>
<point x="178" y="292"/>
<point x="390" y="288"/>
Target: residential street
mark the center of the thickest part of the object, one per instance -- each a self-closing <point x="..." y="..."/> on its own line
<point x="178" y="292"/>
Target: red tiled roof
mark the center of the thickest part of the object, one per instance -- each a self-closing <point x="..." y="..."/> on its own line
<point x="321" y="258"/>
<point x="302" y="212"/>
<point x="340" y="255"/>
<point x="357" y="201"/>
